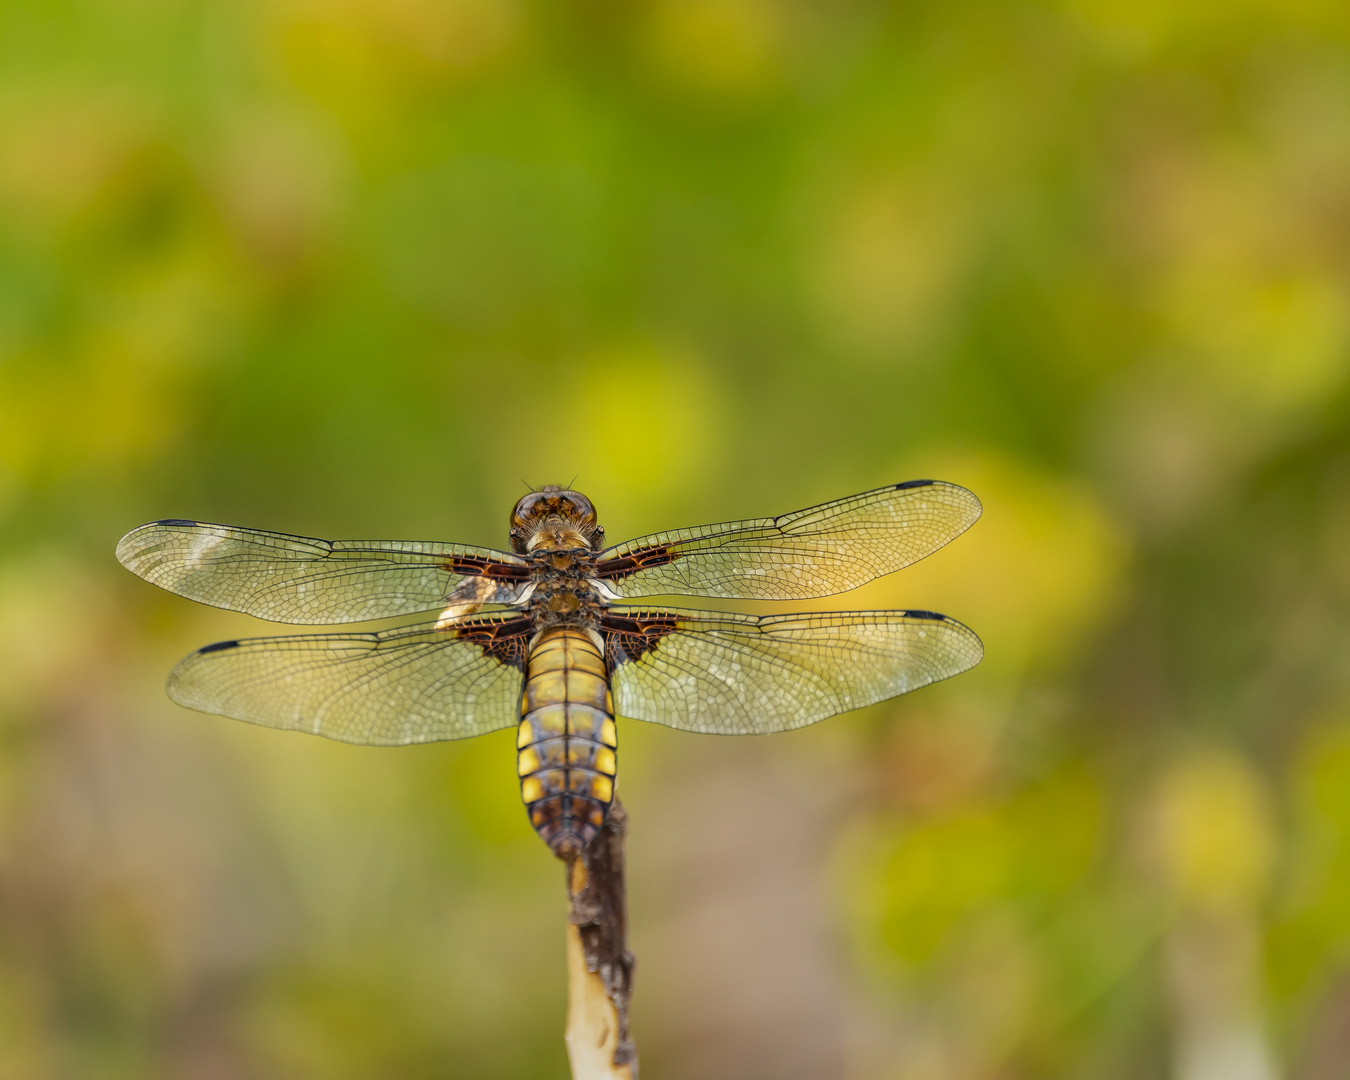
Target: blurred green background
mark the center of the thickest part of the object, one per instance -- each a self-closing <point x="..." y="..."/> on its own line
<point x="357" y="268"/>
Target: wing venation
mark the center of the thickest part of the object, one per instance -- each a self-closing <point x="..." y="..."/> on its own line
<point x="819" y="551"/>
<point x="413" y="685"/>
<point x="300" y="579"/>
<point x="730" y="674"/>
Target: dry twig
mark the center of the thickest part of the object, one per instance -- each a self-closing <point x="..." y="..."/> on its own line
<point x="599" y="965"/>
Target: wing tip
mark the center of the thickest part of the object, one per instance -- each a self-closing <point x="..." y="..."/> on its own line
<point x="964" y="630"/>
<point x="130" y="548"/>
<point x="976" y="506"/>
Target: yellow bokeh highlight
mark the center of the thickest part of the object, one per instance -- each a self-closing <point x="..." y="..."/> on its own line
<point x="1274" y="344"/>
<point x="108" y="411"/>
<point x="365" y="56"/>
<point x="1258" y="315"/>
<point x="660" y="414"/>
<point x="1314" y="888"/>
<point x="890" y="256"/>
<point x="40" y="642"/>
<point x="1211" y="831"/>
<point x="62" y="148"/>
<point x="1042" y="565"/>
<point x="1134" y="29"/>
<point x="922" y="880"/>
<point x="281" y="179"/>
<point x="719" y="47"/>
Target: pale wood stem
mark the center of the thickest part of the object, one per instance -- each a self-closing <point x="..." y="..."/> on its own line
<point x="599" y="965"/>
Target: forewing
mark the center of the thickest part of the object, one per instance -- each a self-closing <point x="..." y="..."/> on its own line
<point x="819" y="551"/>
<point x="298" y="579"/>
<point x="414" y="685"/>
<point x="729" y="674"/>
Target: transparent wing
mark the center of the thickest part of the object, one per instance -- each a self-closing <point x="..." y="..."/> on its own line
<point x="297" y="579"/>
<point x="730" y="674"/>
<point x="819" y="551"/>
<point x="418" y="684"/>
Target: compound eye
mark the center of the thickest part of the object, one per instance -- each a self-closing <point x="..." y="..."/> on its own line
<point x="527" y="508"/>
<point x="581" y="507"/>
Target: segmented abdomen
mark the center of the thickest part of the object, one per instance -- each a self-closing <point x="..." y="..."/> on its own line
<point x="567" y="740"/>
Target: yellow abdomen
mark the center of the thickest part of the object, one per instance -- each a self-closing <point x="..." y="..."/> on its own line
<point x="567" y="740"/>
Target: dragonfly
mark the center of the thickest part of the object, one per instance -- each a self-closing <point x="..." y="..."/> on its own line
<point x="545" y="637"/>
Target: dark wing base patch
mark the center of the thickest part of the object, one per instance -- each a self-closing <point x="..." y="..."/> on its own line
<point x="505" y="640"/>
<point x="477" y="566"/>
<point x="631" y="637"/>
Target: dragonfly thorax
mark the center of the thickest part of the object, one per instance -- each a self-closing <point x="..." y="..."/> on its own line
<point x="564" y="596"/>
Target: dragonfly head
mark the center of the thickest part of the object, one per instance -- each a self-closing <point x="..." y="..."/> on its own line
<point x="554" y="519"/>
